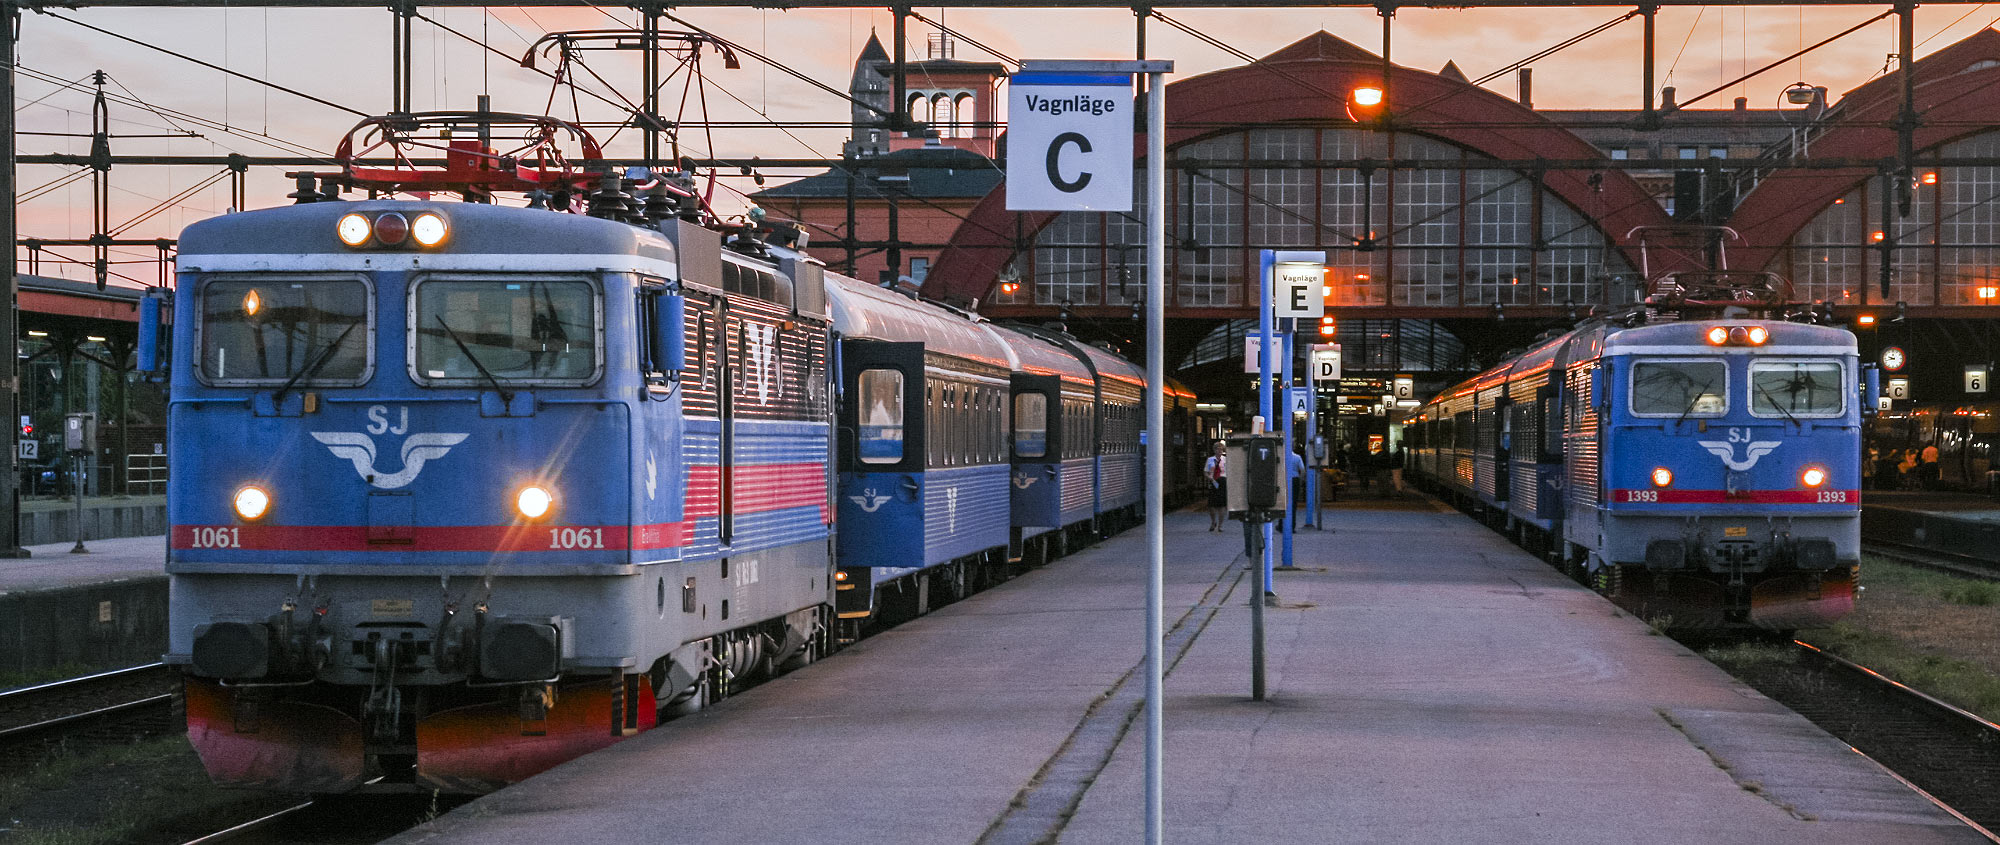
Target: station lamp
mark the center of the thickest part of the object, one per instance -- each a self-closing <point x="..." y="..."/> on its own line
<point x="1365" y="103"/>
<point x="1326" y="326"/>
<point x="1864" y="319"/>
<point x="1987" y="293"/>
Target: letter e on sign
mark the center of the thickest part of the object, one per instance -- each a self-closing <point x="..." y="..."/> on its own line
<point x="1300" y="290"/>
<point x="1069" y="142"/>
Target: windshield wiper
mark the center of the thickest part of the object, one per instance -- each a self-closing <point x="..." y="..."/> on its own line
<point x="506" y="396"/>
<point x="313" y="366"/>
<point x="1694" y="400"/>
<point x="1774" y="403"/>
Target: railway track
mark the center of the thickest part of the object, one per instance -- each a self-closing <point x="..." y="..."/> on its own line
<point x="1957" y="564"/>
<point x="108" y="707"/>
<point x="1949" y="754"/>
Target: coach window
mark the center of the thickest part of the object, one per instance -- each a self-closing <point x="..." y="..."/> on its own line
<point x="534" y="331"/>
<point x="271" y="330"/>
<point x="881" y="395"/>
<point x="1797" y="389"/>
<point x="1680" y="388"/>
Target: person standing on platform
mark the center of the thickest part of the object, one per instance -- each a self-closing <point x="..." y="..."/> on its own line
<point x="1214" y="470"/>
<point x="1885" y="469"/>
<point x="1295" y="472"/>
<point x="1396" y="471"/>
<point x="1929" y="467"/>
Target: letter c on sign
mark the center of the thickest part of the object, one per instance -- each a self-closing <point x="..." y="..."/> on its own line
<point x="1055" y="162"/>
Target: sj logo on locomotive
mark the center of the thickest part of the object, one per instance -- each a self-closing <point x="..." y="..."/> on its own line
<point x="1752" y="449"/>
<point x="358" y="448"/>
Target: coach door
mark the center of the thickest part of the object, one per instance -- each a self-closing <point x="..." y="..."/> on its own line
<point x="1035" y="446"/>
<point x="882" y="412"/>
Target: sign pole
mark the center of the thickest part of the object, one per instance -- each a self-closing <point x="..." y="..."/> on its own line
<point x="1069" y="149"/>
<point x="1291" y="496"/>
<point x="1156" y="461"/>
<point x="1274" y="407"/>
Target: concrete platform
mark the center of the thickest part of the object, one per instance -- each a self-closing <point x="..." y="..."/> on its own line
<point x="50" y="566"/>
<point x="83" y="612"/>
<point x="1958" y="523"/>
<point x="1429" y="683"/>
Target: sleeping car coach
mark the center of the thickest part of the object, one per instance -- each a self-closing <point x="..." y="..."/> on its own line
<point x="467" y="490"/>
<point x="1703" y="474"/>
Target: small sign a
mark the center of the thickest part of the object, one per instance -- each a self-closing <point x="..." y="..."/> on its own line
<point x="1299" y="400"/>
<point x="1975" y="378"/>
<point x="1325" y="362"/>
<point x="1899" y="388"/>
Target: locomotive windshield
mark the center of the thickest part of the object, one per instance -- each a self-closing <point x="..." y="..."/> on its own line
<point x="1680" y="388"/>
<point x="272" y="330"/>
<point x="1796" y="389"/>
<point x="534" y="331"/>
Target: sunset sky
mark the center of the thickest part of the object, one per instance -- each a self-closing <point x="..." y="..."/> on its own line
<point x="343" y="56"/>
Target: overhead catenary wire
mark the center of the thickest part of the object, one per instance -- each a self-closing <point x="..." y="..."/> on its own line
<point x="967" y="39"/>
<point x="206" y="123"/>
<point x="210" y="65"/>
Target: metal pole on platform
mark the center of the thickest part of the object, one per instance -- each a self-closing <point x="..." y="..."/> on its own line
<point x="1267" y="354"/>
<point x="1156" y="441"/>
<point x="10" y="493"/>
<point x="1285" y="425"/>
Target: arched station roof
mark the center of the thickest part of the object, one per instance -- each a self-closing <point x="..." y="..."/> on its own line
<point x="1305" y="84"/>
<point x="1957" y="95"/>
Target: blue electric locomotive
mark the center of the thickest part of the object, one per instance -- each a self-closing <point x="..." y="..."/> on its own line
<point x="464" y="490"/>
<point x="1704" y="473"/>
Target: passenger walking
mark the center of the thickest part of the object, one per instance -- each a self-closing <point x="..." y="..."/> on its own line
<point x="1214" y="470"/>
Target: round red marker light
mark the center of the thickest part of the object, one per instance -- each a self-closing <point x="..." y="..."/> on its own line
<point x="392" y="228"/>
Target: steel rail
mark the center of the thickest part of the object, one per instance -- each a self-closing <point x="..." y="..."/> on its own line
<point x="251" y="826"/>
<point x="1976" y="728"/>
<point x="1918" y="556"/>
<point x="15" y="695"/>
<point x="62" y="724"/>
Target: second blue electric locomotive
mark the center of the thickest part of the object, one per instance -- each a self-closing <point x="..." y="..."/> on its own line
<point x="1704" y="473"/>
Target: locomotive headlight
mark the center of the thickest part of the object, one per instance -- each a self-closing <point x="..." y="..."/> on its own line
<point x="354" y="230"/>
<point x="428" y="229"/>
<point x="1718" y="336"/>
<point x="1813" y="476"/>
<point x="534" y="502"/>
<point x="252" y="503"/>
<point x="1759" y="334"/>
<point x="1662" y="476"/>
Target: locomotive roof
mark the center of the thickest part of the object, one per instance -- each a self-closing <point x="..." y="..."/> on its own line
<point x="862" y="310"/>
<point x="1786" y="337"/>
<point x="282" y="238"/>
